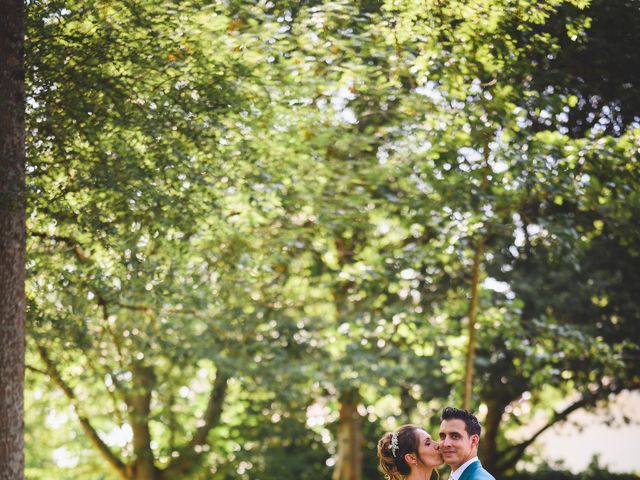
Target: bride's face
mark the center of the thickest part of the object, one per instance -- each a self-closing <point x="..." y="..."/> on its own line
<point x="428" y="450"/>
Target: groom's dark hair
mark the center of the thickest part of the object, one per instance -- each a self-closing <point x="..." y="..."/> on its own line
<point x="472" y="425"/>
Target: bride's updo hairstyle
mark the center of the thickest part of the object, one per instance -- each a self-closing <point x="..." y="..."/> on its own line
<point x="392" y="448"/>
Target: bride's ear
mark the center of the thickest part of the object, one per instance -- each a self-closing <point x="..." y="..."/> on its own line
<point x="410" y="458"/>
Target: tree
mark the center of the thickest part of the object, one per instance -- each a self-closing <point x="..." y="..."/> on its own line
<point x="266" y="211"/>
<point x="341" y="215"/>
<point x="568" y="303"/>
<point x="12" y="239"/>
<point x="595" y="62"/>
<point x="142" y="261"/>
<point x="507" y="175"/>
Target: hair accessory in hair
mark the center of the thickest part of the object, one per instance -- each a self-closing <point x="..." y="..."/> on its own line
<point x="394" y="443"/>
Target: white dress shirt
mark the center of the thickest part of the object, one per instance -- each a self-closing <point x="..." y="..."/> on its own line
<point x="458" y="473"/>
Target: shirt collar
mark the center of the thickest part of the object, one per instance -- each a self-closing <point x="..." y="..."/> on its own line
<point x="458" y="473"/>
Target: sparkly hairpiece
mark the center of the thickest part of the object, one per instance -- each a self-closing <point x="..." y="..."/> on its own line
<point x="394" y="443"/>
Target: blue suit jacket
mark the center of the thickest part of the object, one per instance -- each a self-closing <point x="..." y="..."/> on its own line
<point x="476" y="472"/>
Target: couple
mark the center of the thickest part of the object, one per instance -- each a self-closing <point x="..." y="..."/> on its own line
<point x="411" y="454"/>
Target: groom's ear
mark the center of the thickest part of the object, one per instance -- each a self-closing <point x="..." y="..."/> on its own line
<point x="475" y="439"/>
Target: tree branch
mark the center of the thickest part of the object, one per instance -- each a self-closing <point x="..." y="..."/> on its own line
<point x="37" y="370"/>
<point x="145" y="307"/>
<point x="188" y="455"/>
<point x="512" y="454"/>
<point x="71" y="242"/>
<point x="88" y="429"/>
<point x="116" y="342"/>
<point x="213" y="411"/>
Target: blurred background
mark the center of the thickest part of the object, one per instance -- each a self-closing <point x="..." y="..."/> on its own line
<point x="261" y="234"/>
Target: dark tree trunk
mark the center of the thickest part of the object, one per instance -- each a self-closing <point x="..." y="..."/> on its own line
<point x="488" y="450"/>
<point x="12" y="239"/>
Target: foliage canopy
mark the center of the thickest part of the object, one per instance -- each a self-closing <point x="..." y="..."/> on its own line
<point x="242" y="212"/>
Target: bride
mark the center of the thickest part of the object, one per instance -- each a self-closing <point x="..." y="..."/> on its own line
<point x="409" y="453"/>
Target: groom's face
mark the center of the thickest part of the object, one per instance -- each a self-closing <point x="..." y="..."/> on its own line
<point x="456" y="445"/>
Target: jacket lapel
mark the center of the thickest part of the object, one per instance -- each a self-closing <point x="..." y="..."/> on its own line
<point x="470" y="470"/>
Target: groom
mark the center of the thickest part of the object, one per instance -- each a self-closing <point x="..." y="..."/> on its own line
<point x="459" y="437"/>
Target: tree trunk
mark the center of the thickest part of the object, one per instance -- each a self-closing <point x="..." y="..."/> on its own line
<point x="489" y="448"/>
<point x="12" y="239"/>
<point x="473" y="310"/>
<point x="139" y="403"/>
<point x="350" y="438"/>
